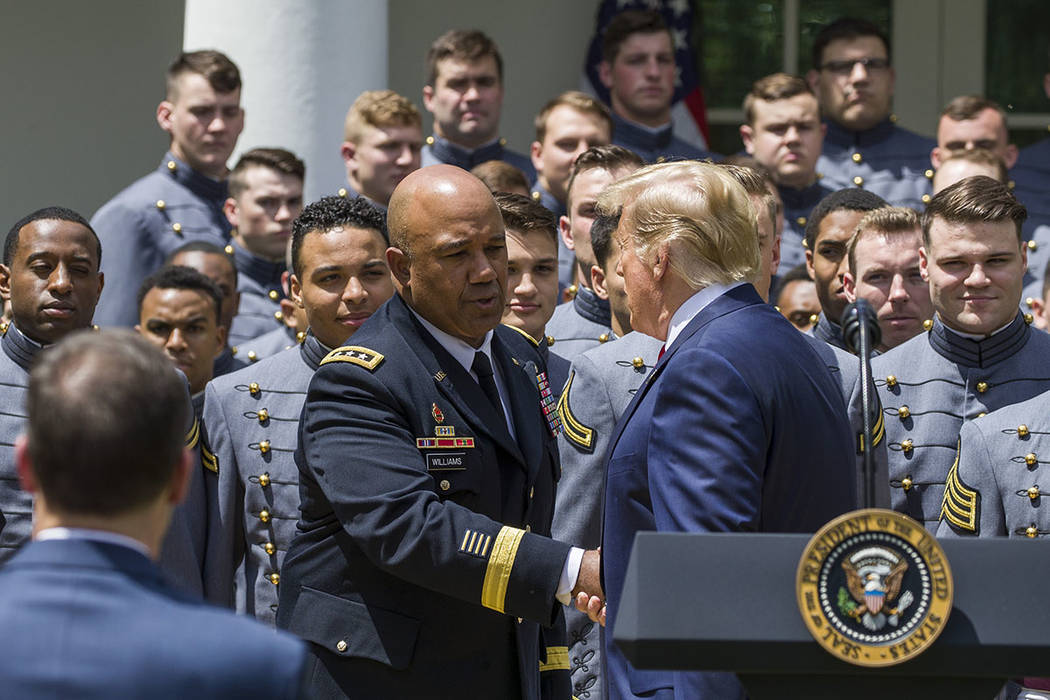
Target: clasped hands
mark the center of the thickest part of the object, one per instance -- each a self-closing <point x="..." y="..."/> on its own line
<point x="588" y="594"/>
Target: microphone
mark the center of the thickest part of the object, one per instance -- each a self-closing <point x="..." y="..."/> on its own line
<point x="857" y="314"/>
<point x="860" y="330"/>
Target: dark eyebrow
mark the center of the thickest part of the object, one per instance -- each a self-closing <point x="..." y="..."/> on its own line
<point x="451" y="245"/>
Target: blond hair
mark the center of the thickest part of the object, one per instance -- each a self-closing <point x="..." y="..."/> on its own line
<point x="379" y="108"/>
<point x="697" y="212"/>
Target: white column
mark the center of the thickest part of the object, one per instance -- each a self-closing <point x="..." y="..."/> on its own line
<point x="302" y="64"/>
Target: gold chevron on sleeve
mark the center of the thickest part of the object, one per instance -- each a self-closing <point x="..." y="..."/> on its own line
<point x="193" y="435"/>
<point x="208" y="459"/>
<point x="576" y="432"/>
<point x="557" y="659"/>
<point x="501" y="562"/>
<point x="959" y="506"/>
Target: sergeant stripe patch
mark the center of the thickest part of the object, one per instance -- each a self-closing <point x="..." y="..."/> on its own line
<point x="557" y="659"/>
<point x="577" y="433"/>
<point x="209" y="460"/>
<point x="501" y="562"/>
<point x="960" y="503"/>
<point x="475" y="543"/>
<point x="193" y="435"/>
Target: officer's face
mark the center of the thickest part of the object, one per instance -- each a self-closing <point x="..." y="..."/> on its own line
<point x="854" y="95"/>
<point x="799" y="304"/>
<point x="987" y="130"/>
<point x="204" y="124"/>
<point x="569" y="133"/>
<point x="344" y="280"/>
<point x="219" y="269"/>
<point x="455" y="274"/>
<point x="975" y="271"/>
<point x="465" y="100"/>
<point x="381" y="159"/>
<point x="53" y="283"/>
<point x="582" y="200"/>
<point x="532" y="280"/>
<point x="641" y="78"/>
<point x="787" y="138"/>
<point x="889" y="278"/>
<point x="182" y="323"/>
<point x="826" y="263"/>
<point x="263" y="213"/>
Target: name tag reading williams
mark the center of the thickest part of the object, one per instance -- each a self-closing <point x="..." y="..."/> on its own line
<point x="445" y="461"/>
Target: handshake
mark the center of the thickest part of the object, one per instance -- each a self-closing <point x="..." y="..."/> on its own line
<point x="587" y="593"/>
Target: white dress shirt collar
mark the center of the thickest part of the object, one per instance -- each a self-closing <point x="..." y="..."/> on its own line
<point x="693" y="306"/>
<point x="82" y="533"/>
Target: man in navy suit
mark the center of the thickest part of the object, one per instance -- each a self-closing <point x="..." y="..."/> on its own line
<point x="85" y="613"/>
<point x="719" y="438"/>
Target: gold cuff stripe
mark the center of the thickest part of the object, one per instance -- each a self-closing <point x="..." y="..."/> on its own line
<point x="557" y="659"/>
<point x="535" y="343"/>
<point x="574" y="430"/>
<point x="354" y="354"/>
<point x="193" y="435"/>
<point x="959" y="506"/>
<point x="209" y="460"/>
<point x="497" y="574"/>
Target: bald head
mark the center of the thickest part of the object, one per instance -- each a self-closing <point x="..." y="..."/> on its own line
<point x="433" y="192"/>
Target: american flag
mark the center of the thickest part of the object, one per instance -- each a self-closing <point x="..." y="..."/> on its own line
<point x="688" y="111"/>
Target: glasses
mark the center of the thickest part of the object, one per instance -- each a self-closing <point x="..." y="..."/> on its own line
<point x="846" y="67"/>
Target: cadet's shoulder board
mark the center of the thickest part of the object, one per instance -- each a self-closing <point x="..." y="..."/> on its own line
<point x="535" y="343"/>
<point x="355" y="354"/>
<point x="961" y="502"/>
<point x="194" y="434"/>
<point x="576" y="432"/>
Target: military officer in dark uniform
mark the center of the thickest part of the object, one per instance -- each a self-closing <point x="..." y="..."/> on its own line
<point x="251" y="417"/>
<point x="638" y="68"/>
<point x="382" y="141"/>
<point x="266" y="194"/>
<point x="979" y="355"/>
<point x="464" y="92"/>
<point x="783" y="132"/>
<point x="182" y="199"/>
<point x="566" y="127"/>
<point x="853" y="77"/>
<point x="828" y="231"/>
<point x="423" y="566"/>
<point x="532" y="277"/>
<point x="584" y="322"/>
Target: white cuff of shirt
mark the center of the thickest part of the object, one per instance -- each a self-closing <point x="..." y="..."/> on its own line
<point x="569" y="574"/>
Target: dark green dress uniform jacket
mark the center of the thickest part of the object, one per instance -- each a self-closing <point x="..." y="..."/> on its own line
<point x="422" y="567"/>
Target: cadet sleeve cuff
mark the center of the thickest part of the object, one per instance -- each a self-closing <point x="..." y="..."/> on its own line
<point x="569" y="574"/>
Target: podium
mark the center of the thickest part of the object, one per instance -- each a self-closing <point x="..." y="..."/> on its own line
<point x="727" y="602"/>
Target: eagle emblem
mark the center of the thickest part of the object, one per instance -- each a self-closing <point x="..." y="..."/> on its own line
<point x="874" y="576"/>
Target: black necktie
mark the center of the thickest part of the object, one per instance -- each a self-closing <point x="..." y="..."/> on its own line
<point x="483" y="368"/>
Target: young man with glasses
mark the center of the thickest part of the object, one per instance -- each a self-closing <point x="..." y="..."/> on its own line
<point x="853" y="77"/>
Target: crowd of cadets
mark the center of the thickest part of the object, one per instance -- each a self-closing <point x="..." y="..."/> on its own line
<point x="247" y="290"/>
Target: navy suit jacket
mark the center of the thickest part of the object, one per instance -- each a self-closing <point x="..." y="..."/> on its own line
<point x="739" y="428"/>
<point x="91" y="619"/>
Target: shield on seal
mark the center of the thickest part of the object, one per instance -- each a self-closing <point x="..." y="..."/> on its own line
<point x="874" y="599"/>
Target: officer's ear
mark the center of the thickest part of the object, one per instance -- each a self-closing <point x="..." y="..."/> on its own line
<point x="295" y="290"/>
<point x="535" y="153"/>
<point x="598" y="282"/>
<point x="229" y="208"/>
<point x="849" y="287"/>
<point x="747" y="136"/>
<point x="605" y="74"/>
<point x="5" y="282"/>
<point x="164" y="115"/>
<point x="565" y="229"/>
<point x="400" y="266"/>
<point x="924" y="264"/>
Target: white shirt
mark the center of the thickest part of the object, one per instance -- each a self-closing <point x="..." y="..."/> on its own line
<point x="463" y="353"/>
<point x="81" y="533"/>
<point x="693" y="306"/>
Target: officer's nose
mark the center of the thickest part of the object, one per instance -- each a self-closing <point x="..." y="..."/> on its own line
<point x="898" y="290"/>
<point x="60" y="282"/>
<point x="176" y="341"/>
<point x="977" y="277"/>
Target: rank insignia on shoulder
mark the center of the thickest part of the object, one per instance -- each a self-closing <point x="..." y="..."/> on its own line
<point x="355" y="354"/>
<point x="449" y="443"/>
<point x="575" y="432"/>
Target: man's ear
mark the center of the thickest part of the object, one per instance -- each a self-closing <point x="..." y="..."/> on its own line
<point x="220" y="335"/>
<point x="1011" y="156"/>
<point x="5" y="282"/>
<point x="935" y="157"/>
<point x="295" y="290"/>
<point x="849" y="287"/>
<point x="747" y="136"/>
<point x="605" y="74"/>
<point x="536" y="153"/>
<point x="598" y="282"/>
<point x="809" y="264"/>
<point x="924" y="265"/>
<point x="348" y="150"/>
<point x="165" y="111"/>
<point x="813" y="78"/>
<point x="229" y="208"/>
<point x="400" y="266"/>
<point x="428" y="97"/>
<point x="565" y="229"/>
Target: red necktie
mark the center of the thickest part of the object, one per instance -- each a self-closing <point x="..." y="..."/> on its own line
<point x="662" y="349"/>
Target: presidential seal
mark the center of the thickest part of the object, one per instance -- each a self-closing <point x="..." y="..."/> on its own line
<point x="874" y="588"/>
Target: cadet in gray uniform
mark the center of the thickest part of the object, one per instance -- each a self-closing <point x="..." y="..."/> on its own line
<point x="980" y="353"/>
<point x="853" y="77"/>
<point x="182" y="199"/>
<point x="601" y="384"/>
<point x="251" y="417"/>
<point x="462" y="63"/>
<point x="266" y="194"/>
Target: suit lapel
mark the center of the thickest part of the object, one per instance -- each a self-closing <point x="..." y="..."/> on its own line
<point x="524" y="403"/>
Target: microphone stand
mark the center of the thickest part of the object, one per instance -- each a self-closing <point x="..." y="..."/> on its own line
<point x="860" y="329"/>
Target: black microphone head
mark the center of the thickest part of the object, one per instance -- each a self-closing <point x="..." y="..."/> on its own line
<point x="856" y="314"/>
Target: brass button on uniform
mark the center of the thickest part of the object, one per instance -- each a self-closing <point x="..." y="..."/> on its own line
<point x="176" y="227"/>
<point x="661" y="159"/>
<point x="300" y="337"/>
<point x="342" y="192"/>
<point x="982" y="387"/>
<point x="550" y="340"/>
<point x="270" y="548"/>
<point x="638" y="363"/>
<point x="264" y="515"/>
<point x="904" y="412"/>
<point x="1033" y="492"/>
<point x="172" y="166"/>
<point x="228" y="250"/>
<point x="264" y="480"/>
<point x="801" y="221"/>
<point x="1032" y="245"/>
<point x="253" y="389"/>
<point x="275" y="578"/>
<point x="1022" y="430"/>
<point x="891" y="380"/>
<point x="928" y="174"/>
<point x="814" y="319"/>
<point x="503" y="141"/>
<point x="264" y="446"/>
<point x="603" y="338"/>
<point x="252" y="357"/>
<point x="161" y="204"/>
<point x="264" y="415"/>
<point x="925" y="199"/>
<point x="858" y="180"/>
<point x="982" y="414"/>
<point x="535" y="196"/>
<point x="906" y="483"/>
<point x="907" y="446"/>
<point x="1028" y="302"/>
<point x="857" y="157"/>
<point x="445" y="485"/>
<point x="927" y="324"/>
<point x="430" y="140"/>
<point x="1029" y="318"/>
<point x="278" y="316"/>
<point x="340" y="646"/>
<point x="1030" y="459"/>
<point x="273" y="294"/>
<point x="1031" y="531"/>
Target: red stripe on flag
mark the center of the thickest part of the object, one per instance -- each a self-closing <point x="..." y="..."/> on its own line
<point x="695" y="102"/>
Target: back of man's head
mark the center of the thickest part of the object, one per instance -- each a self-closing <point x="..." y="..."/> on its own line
<point x="107" y="417"/>
<point x="974" y="200"/>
